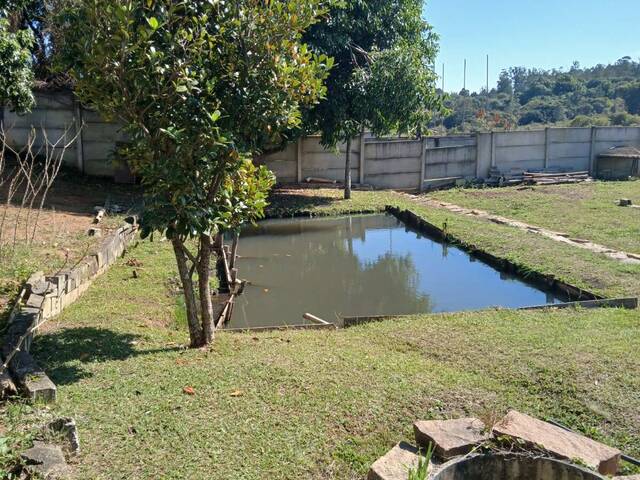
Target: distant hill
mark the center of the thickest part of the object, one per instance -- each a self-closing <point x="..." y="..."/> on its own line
<point x="529" y="98"/>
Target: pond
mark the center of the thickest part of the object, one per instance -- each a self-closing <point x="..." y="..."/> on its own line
<point x="360" y="266"/>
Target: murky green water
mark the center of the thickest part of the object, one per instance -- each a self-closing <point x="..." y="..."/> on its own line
<point x="362" y="265"/>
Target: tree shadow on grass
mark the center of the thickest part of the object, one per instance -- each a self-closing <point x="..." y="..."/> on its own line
<point x="63" y="352"/>
<point x="288" y="204"/>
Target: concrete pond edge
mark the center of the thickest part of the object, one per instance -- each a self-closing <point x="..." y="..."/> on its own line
<point x="42" y="298"/>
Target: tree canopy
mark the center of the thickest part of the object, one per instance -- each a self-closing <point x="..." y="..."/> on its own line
<point x="199" y="85"/>
<point x="382" y="79"/>
<point x="16" y="73"/>
<point x="600" y="95"/>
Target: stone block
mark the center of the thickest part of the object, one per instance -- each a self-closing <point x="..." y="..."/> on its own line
<point x="7" y="387"/>
<point x="45" y="460"/>
<point x="559" y="442"/>
<point x="31" y="379"/>
<point x="395" y="465"/>
<point x="36" y="301"/>
<point x="40" y="287"/>
<point x="450" y="437"/>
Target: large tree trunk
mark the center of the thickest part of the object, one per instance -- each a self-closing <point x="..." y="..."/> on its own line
<point x="204" y="287"/>
<point x="195" y="329"/>
<point x="347" y="171"/>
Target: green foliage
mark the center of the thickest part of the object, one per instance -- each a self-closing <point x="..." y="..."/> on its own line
<point x="381" y="78"/>
<point x="422" y="470"/>
<point x="16" y="75"/>
<point x="198" y="84"/>
<point x="602" y="95"/>
<point x="397" y="91"/>
<point x="34" y="17"/>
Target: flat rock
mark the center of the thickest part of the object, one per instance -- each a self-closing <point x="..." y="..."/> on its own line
<point x="450" y="437"/>
<point x="395" y="465"/>
<point x="560" y="442"/>
<point x="46" y="460"/>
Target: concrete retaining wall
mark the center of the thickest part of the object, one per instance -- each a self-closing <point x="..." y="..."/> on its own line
<point x="382" y="163"/>
<point x="44" y="297"/>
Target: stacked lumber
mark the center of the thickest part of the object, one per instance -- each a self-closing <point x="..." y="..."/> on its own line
<point x="555" y="178"/>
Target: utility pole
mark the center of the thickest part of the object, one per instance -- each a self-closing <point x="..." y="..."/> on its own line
<point x="487" y="75"/>
<point x="464" y="100"/>
<point x="486" y="107"/>
<point x="464" y="82"/>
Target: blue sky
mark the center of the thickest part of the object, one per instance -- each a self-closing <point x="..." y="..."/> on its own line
<point x="532" y="33"/>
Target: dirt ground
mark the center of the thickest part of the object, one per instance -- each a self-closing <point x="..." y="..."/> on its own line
<point x="61" y="237"/>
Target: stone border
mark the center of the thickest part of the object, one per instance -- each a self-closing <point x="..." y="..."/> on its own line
<point x="625" y="303"/>
<point x="42" y="298"/>
<point x="546" y="281"/>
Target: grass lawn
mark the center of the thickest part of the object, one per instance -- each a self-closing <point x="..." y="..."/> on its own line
<point x="317" y="404"/>
<point x="585" y="210"/>
<point x="61" y="237"/>
<point x="326" y="404"/>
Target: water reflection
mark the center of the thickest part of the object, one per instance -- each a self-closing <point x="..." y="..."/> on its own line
<point x="361" y="265"/>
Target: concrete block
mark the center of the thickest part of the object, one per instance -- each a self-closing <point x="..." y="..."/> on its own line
<point x="7" y="387"/>
<point x="31" y="378"/>
<point x="560" y="442"/>
<point x="395" y="465"/>
<point x="450" y="437"/>
<point x="45" y="460"/>
<point x="36" y="301"/>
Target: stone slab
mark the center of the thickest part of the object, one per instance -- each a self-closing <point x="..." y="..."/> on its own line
<point x="45" y="460"/>
<point x="395" y="465"/>
<point x="450" y="437"/>
<point x="7" y="387"/>
<point x="559" y="442"/>
<point x="31" y="379"/>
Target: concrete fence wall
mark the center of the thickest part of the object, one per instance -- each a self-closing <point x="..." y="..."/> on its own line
<point x="61" y="116"/>
<point x="380" y="162"/>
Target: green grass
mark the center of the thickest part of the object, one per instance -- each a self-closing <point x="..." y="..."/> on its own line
<point x="585" y="210"/>
<point x="317" y="404"/>
<point x="326" y="404"/>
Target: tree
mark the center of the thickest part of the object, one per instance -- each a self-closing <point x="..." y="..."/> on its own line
<point x="381" y="79"/>
<point x="16" y="74"/>
<point x="505" y="85"/>
<point x="199" y="85"/>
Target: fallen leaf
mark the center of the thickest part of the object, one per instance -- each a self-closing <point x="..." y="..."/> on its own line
<point x="237" y="393"/>
<point x="189" y="390"/>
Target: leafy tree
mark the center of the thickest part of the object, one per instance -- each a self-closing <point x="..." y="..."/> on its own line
<point x="16" y="74"/>
<point x="630" y="92"/>
<point x="381" y="79"/>
<point x="505" y="85"/>
<point x="198" y="84"/>
<point x="590" y="96"/>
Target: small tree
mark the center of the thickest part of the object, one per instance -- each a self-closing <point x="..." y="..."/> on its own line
<point x="16" y="74"/>
<point x="382" y="78"/>
<point x="198" y="84"/>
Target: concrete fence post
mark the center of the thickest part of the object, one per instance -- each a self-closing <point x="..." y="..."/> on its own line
<point x="423" y="163"/>
<point x="546" y="147"/>
<point x="477" y="155"/>
<point x="79" y="122"/>
<point x="592" y="151"/>
<point x="299" y="159"/>
<point x="361" y="163"/>
<point x="493" y="149"/>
